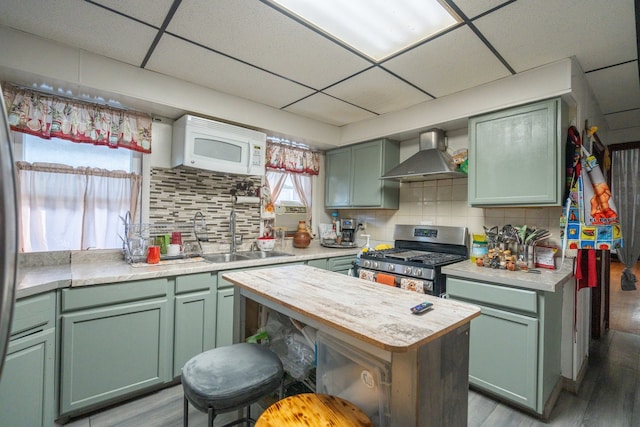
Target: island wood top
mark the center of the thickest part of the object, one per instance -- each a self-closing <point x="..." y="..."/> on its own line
<point x="367" y="311"/>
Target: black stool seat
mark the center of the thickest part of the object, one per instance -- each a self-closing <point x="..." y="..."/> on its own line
<point x="231" y="377"/>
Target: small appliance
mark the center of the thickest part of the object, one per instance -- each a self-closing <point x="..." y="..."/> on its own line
<point x="218" y="147"/>
<point x="348" y="230"/>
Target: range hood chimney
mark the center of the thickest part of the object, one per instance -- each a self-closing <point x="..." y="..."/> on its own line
<point x="431" y="162"/>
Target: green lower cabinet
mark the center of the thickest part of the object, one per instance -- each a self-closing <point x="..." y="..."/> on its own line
<point x="224" y="324"/>
<point x="27" y="391"/>
<point x="503" y="355"/>
<point x="111" y="351"/>
<point x="514" y="346"/>
<point x="341" y="264"/>
<point x="194" y="319"/>
<point x="27" y="394"/>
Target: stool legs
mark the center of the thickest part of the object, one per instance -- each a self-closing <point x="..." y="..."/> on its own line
<point x="185" y="414"/>
<point x="211" y="417"/>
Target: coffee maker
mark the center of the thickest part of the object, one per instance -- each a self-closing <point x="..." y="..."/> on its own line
<point x="348" y="230"/>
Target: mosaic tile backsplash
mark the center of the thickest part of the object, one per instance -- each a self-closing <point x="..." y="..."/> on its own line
<point x="178" y="193"/>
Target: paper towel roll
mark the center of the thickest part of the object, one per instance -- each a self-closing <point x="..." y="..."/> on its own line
<point x="246" y="200"/>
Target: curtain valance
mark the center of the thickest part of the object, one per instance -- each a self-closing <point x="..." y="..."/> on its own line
<point x="49" y="116"/>
<point x="292" y="159"/>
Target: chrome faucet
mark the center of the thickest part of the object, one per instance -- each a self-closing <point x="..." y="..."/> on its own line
<point x="232" y="226"/>
<point x="203" y="236"/>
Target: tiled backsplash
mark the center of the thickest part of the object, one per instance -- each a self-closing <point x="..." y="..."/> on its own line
<point x="444" y="202"/>
<point x="178" y="193"/>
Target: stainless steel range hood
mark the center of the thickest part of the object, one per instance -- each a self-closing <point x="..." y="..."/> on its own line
<point x="431" y="162"/>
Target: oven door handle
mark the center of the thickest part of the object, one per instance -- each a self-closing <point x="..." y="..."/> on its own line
<point x="403" y="282"/>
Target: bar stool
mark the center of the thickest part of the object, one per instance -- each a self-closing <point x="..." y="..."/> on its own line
<point x="230" y="378"/>
<point x="311" y="409"/>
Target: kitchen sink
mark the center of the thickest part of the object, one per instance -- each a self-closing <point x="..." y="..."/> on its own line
<point x="243" y="256"/>
<point x="224" y="257"/>
<point x="263" y="254"/>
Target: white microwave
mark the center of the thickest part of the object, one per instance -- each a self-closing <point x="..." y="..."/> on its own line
<point x="218" y="147"/>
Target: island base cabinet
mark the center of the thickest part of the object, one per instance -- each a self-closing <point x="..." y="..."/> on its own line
<point x="503" y="355"/>
<point x="353" y="375"/>
<point x="110" y="352"/>
<point x="26" y="389"/>
<point x="430" y="386"/>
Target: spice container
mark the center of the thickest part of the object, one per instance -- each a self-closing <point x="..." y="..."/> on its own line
<point x="479" y="247"/>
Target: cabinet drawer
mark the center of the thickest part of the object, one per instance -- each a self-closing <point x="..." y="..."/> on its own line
<point x="33" y="312"/>
<point x="494" y="295"/>
<point x="101" y="295"/>
<point x="340" y="263"/>
<point x="195" y="282"/>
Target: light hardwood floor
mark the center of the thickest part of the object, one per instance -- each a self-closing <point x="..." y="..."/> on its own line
<point x="609" y="396"/>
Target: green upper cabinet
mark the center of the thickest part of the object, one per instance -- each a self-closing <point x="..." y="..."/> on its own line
<point x="516" y="156"/>
<point x="353" y="176"/>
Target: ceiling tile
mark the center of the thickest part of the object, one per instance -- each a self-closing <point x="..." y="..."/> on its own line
<point x="378" y="91"/>
<point x="253" y="32"/>
<point x="153" y="15"/>
<point x="451" y="63"/>
<point x="623" y="120"/>
<point x="473" y="8"/>
<point x="616" y="88"/>
<point x="329" y="110"/>
<point x="530" y="33"/>
<point x="81" y="25"/>
<point x="189" y="62"/>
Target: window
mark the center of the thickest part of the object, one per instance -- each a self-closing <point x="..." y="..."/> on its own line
<point x="288" y="188"/>
<point x="72" y="195"/>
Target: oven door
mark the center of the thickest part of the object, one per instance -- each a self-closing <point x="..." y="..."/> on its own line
<point x="396" y="280"/>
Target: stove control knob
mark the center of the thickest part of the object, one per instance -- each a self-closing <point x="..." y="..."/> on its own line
<point x="417" y="272"/>
<point x="375" y="264"/>
<point x="366" y="263"/>
<point x="407" y="270"/>
<point x="391" y="267"/>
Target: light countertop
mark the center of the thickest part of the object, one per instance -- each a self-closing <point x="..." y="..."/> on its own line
<point x="548" y="280"/>
<point x="377" y="314"/>
<point x="85" y="268"/>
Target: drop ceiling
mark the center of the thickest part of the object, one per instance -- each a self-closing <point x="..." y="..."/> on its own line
<point x="252" y="50"/>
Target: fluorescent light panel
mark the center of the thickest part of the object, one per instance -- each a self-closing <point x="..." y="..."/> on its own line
<point x="376" y="28"/>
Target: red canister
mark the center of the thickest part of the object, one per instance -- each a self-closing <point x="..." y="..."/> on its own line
<point x="153" y="255"/>
<point x="176" y="238"/>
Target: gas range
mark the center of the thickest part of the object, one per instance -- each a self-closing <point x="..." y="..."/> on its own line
<point x="419" y="253"/>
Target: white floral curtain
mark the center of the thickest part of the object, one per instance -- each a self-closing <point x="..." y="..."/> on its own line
<point x="66" y="208"/>
<point x="49" y="116"/>
<point x="292" y="159"/>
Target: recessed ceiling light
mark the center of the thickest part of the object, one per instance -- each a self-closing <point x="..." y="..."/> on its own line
<point x="376" y="28"/>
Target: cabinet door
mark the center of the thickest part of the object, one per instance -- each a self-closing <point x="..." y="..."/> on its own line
<point x="319" y="263"/>
<point x="338" y="178"/>
<point x="224" y="328"/>
<point x="111" y="351"/>
<point x="516" y="156"/>
<point x="195" y="326"/>
<point x="340" y="264"/>
<point x="367" y="166"/>
<point x="503" y="355"/>
<point x="27" y="393"/>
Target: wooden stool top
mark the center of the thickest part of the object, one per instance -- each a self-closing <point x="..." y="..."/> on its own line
<point x="313" y="410"/>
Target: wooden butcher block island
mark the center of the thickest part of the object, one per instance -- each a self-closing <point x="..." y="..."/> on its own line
<point x="428" y="353"/>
